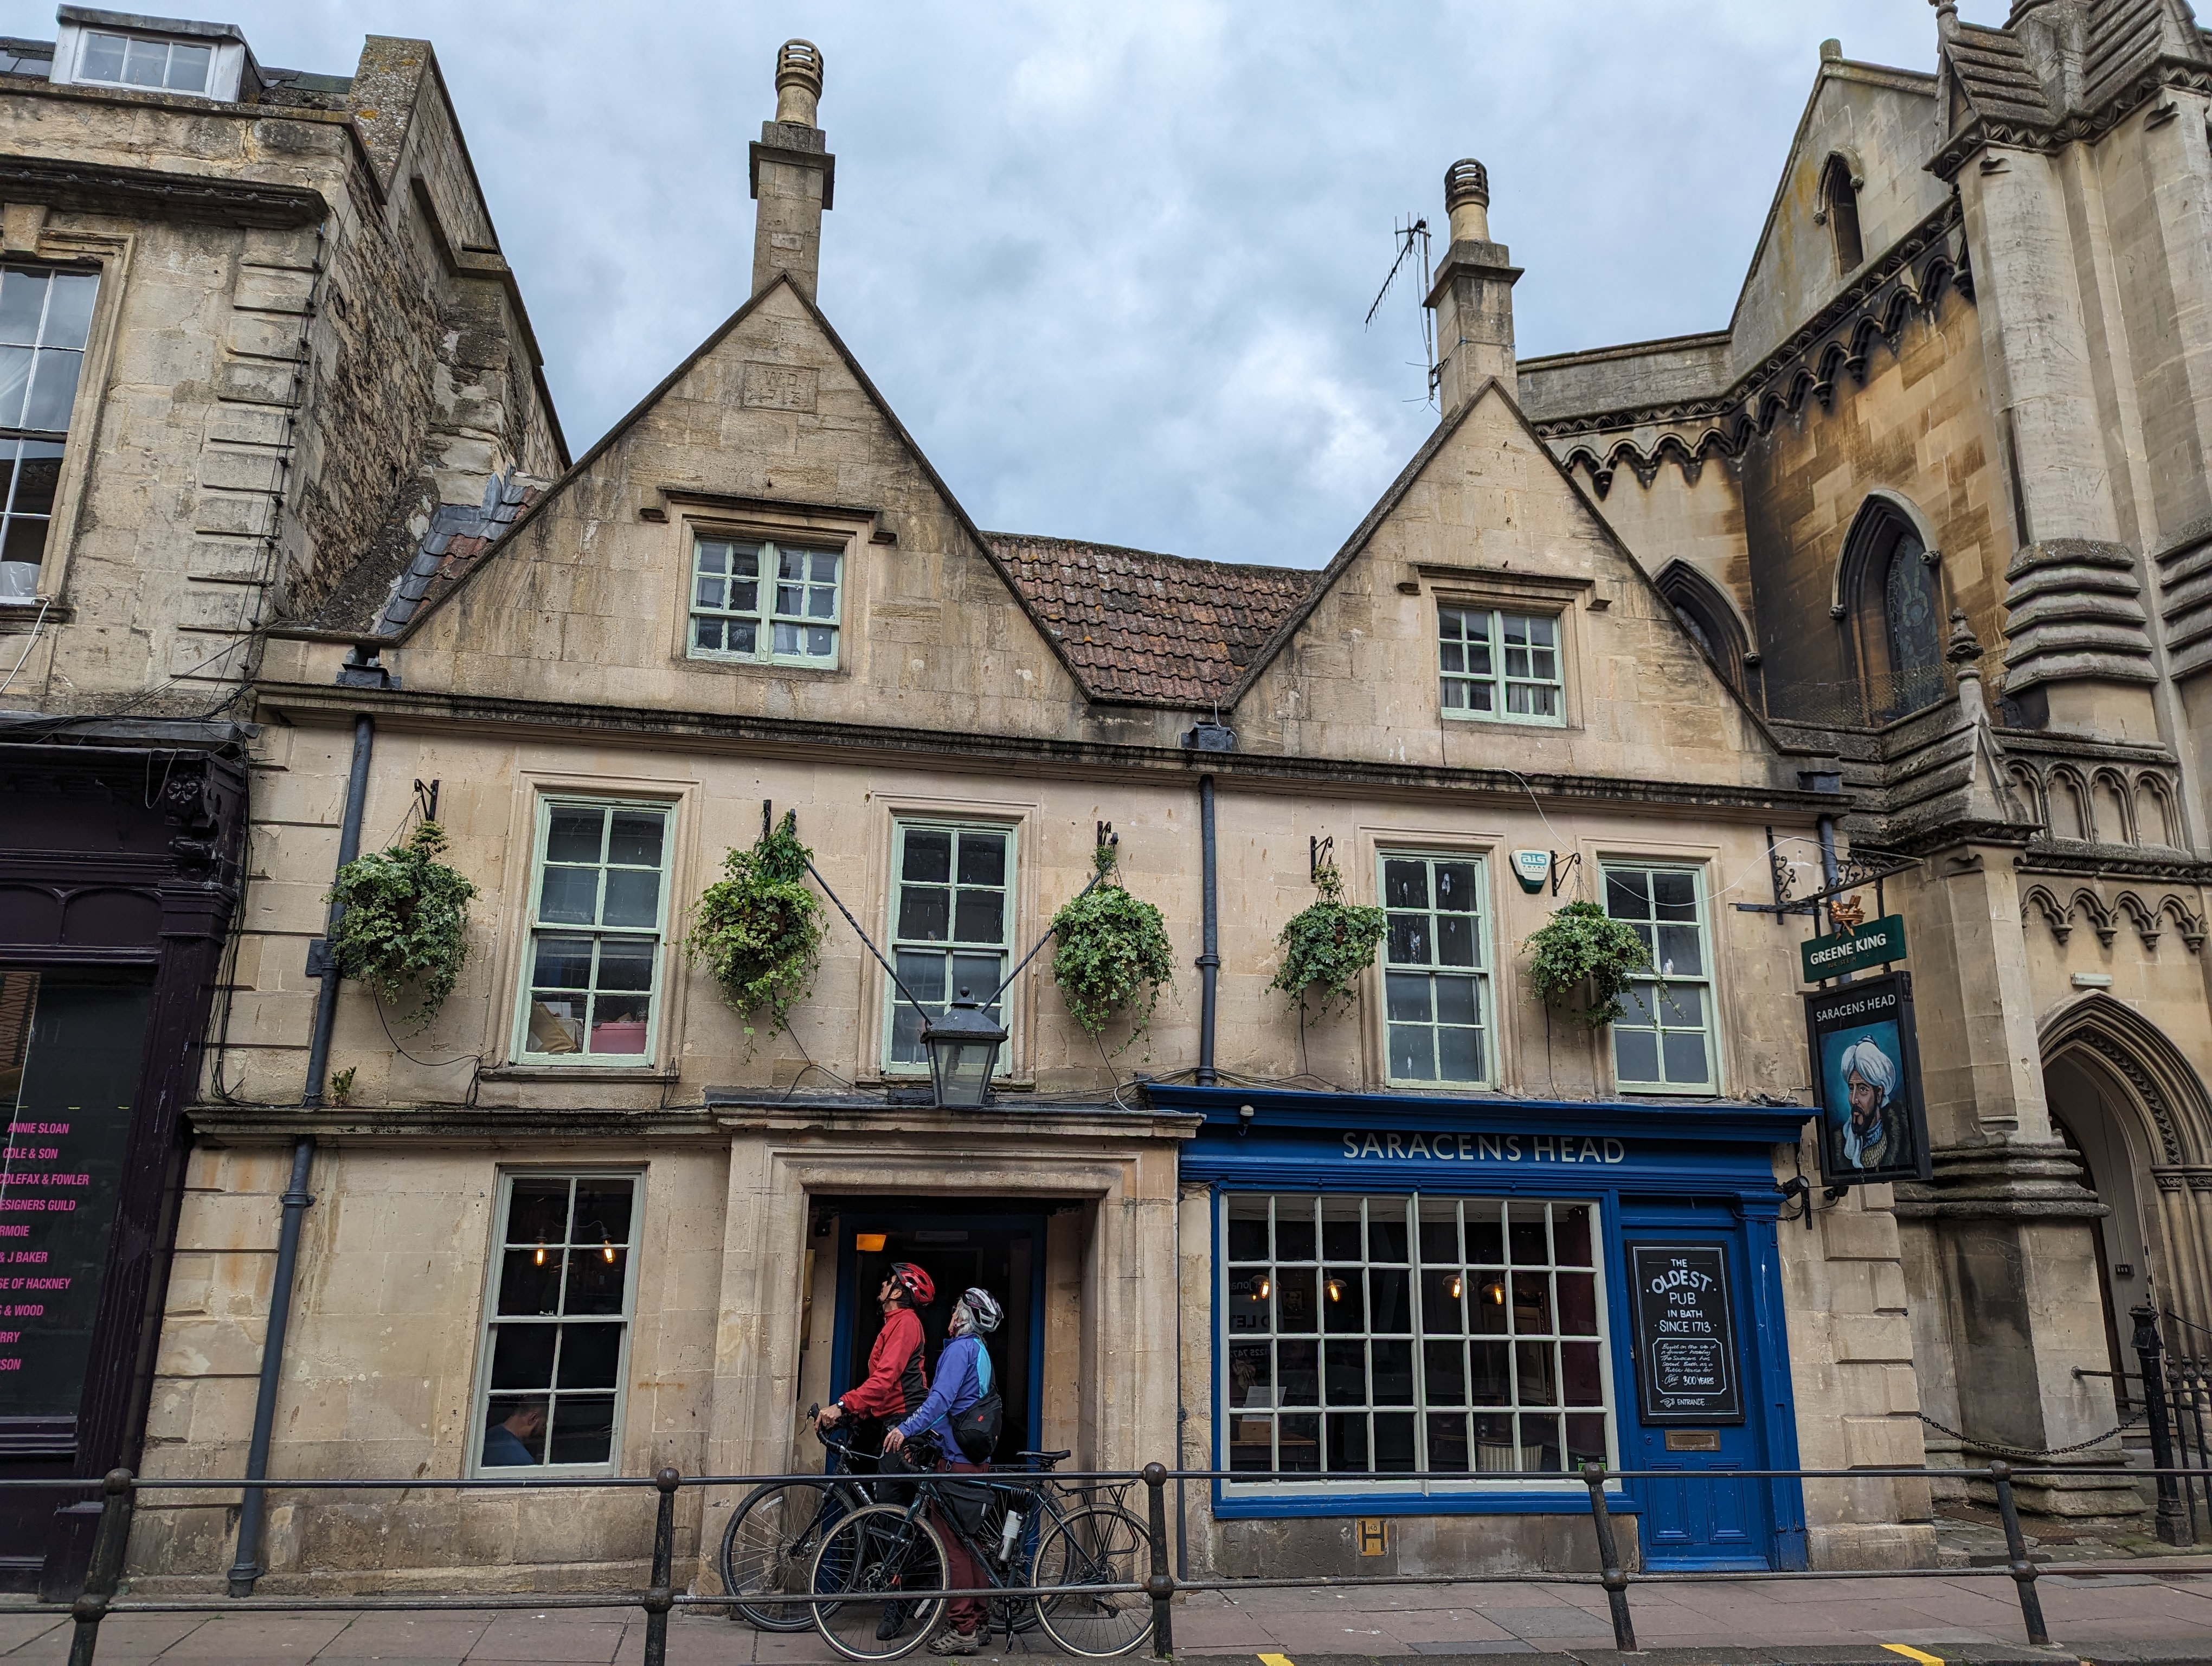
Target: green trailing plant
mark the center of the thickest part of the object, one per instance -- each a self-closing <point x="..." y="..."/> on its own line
<point x="758" y="929"/>
<point x="1113" y="953"/>
<point x="404" y="922"/>
<point x="341" y="1087"/>
<point x="1582" y="947"/>
<point x="1327" y="945"/>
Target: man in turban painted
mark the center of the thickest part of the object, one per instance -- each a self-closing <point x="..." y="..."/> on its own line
<point x="1869" y="1139"/>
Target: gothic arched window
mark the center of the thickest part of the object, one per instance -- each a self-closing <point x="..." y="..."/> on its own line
<point x="1705" y="614"/>
<point x="1839" y="197"/>
<point x="1892" y="599"/>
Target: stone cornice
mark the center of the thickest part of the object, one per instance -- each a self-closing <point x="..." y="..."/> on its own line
<point x="2176" y="73"/>
<point x="144" y="193"/>
<point x="1022" y="754"/>
<point x="538" y="1126"/>
<point x="2072" y="860"/>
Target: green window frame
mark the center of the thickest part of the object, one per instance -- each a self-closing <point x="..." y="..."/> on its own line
<point x="952" y="927"/>
<point x="1666" y="1042"/>
<point x="559" y="1304"/>
<point x="1500" y="666"/>
<point x="46" y="319"/>
<point x="593" y="957"/>
<point x="1438" y="1023"/>
<point x="755" y="601"/>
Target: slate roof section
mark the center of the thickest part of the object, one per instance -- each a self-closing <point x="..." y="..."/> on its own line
<point x="1145" y="629"/>
<point x="2126" y="40"/>
<point x="1994" y="73"/>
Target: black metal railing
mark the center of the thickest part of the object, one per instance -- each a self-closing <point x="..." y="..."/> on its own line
<point x="119" y="1493"/>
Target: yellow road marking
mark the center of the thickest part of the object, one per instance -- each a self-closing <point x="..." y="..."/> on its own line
<point x="1284" y="1660"/>
<point x="1914" y="1654"/>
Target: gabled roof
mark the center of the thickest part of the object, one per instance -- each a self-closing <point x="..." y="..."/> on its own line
<point x="1993" y="74"/>
<point x="1146" y="628"/>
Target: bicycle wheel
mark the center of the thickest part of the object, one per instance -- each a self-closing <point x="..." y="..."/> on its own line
<point x="769" y="1548"/>
<point x="888" y="1567"/>
<point x="1097" y="1547"/>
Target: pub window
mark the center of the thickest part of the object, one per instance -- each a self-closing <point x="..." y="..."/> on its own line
<point x="952" y="920"/>
<point x="1435" y="970"/>
<point x="591" y="990"/>
<point x="1663" y="1042"/>
<point x="1500" y="666"/>
<point x="764" y="603"/>
<point x="556" y="1325"/>
<point x="1420" y="1337"/>
<point x="44" y="318"/>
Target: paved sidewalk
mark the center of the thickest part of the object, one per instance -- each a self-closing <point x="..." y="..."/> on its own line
<point x="1953" y="1617"/>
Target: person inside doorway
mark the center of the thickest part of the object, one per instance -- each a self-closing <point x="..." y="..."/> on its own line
<point x="1869" y="1139"/>
<point x="964" y="1377"/>
<point x="511" y="1441"/>
<point x="896" y="1380"/>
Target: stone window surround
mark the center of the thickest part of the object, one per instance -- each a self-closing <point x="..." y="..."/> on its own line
<point x="111" y="257"/>
<point x="903" y="827"/>
<point x="1017" y="1013"/>
<point x="847" y="531"/>
<point x="487" y="1315"/>
<point x="1503" y="589"/>
<point x="503" y="1060"/>
<point x="1373" y="841"/>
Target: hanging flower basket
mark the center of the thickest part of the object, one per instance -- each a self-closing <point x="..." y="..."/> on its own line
<point x="758" y="929"/>
<point x="405" y="923"/>
<point x="1113" y="954"/>
<point x="1327" y="946"/>
<point x="1583" y="961"/>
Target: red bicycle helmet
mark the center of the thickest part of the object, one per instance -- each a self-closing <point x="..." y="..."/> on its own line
<point x="917" y="1283"/>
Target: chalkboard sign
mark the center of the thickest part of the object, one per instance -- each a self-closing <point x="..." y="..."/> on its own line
<point x="1686" y="1370"/>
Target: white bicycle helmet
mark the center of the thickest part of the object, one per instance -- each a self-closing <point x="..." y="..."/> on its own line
<point x="983" y="1308"/>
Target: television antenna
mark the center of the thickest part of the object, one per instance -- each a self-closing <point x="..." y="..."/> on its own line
<point x="1409" y="234"/>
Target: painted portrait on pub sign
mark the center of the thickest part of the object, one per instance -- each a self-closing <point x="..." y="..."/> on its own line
<point x="1866" y="1076"/>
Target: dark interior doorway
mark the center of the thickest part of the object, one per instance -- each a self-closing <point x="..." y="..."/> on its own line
<point x="960" y="1242"/>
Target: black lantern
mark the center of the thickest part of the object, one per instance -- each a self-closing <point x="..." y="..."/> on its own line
<point x="963" y="1049"/>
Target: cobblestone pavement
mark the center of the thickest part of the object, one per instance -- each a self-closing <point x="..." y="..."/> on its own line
<point x="1956" y="1617"/>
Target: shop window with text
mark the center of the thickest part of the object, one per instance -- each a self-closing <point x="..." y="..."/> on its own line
<point x="44" y="319"/>
<point x="1435" y="977"/>
<point x="1664" y="1041"/>
<point x="952" y="922"/>
<point x="1500" y="666"/>
<point x="766" y="603"/>
<point x="1420" y="1337"/>
<point x="556" y="1326"/>
<point x="598" y="893"/>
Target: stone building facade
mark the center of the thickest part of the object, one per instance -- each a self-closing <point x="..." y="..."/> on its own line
<point x="254" y="317"/>
<point x="1383" y="1267"/>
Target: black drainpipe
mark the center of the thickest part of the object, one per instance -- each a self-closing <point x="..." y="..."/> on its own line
<point x="247" y="1567"/>
<point x="1209" y="960"/>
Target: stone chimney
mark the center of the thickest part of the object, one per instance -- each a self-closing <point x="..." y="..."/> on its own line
<point x="794" y="177"/>
<point x="1473" y="294"/>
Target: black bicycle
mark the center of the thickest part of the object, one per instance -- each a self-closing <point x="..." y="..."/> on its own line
<point x="769" y="1545"/>
<point x="887" y="1561"/>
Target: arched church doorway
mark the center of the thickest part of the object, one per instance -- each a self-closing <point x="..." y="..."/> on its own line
<point x="2131" y="1107"/>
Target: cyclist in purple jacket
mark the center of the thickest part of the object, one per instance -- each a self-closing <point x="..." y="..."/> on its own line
<point x="962" y="1378"/>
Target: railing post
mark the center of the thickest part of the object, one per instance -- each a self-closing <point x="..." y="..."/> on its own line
<point x="1608" y="1556"/>
<point x="662" y="1596"/>
<point x="2022" y="1570"/>
<point x="1160" y="1585"/>
<point x="109" y="1540"/>
<point x="2177" y="1524"/>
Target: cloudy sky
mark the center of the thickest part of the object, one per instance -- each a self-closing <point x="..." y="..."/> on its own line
<point x="1109" y="258"/>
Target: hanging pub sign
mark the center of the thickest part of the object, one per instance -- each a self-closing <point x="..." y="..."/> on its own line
<point x="1876" y="943"/>
<point x="1686" y="1369"/>
<point x="1866" y="1081"/>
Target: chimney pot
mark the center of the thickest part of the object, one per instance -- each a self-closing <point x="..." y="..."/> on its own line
<point x="1467" y="200"/>
<point x="797" y="81"/>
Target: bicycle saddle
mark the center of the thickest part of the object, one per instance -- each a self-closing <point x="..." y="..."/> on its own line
<point x="1044" y="1457"/>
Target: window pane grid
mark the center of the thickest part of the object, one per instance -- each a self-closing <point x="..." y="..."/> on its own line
<point x="120" y="60"/>
<point x="44" y="319"/>
<point x="1414" y="1336"/>
<point x="764" y="603"/>
<point x="1500" y="665"/>
<point x="557" y="1322"/>
<point x="950" y="919"/>
<point x="1664" y="1041"/>
<point x="591" y="988"/>
<point x="1435" y="977"/>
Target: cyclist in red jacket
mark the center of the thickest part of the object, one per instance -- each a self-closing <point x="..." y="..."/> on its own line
<point x="896" y="1382"/>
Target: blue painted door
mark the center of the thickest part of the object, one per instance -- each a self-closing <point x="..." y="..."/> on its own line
<point x="1681" y="1379"/>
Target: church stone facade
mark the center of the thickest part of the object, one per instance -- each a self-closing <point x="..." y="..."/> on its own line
<point x="1901" y="571"/>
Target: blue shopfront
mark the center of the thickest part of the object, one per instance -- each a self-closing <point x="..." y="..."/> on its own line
<point x="1442" y="1308"/>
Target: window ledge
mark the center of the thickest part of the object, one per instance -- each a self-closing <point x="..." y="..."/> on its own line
<point x="573" y="1073"/>
<point x="19" y="614"/>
